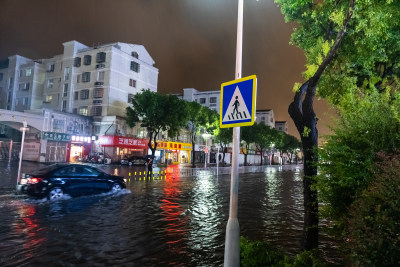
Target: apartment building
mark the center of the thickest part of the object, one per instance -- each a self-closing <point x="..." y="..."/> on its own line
<point x="21" y="83"/>
<point x="266" y="116"/>
<point x="209" y="99"/>
<point x="281" y="126"/>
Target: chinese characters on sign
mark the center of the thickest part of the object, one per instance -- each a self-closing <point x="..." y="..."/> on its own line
<point x="61" y="137"/>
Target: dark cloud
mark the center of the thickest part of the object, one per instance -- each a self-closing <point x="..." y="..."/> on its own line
<point x="193" y="42"/>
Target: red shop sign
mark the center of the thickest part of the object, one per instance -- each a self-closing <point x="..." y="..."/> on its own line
<point x="123" y="142"/>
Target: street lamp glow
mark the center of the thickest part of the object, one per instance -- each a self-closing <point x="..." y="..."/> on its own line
<point x="206" y="136"/>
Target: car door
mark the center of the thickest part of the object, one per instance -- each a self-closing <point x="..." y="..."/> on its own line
<point x="71" y="180"/>
<point x="96" y="179"/>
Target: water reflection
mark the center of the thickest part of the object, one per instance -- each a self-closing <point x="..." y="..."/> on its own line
<point x="166" y="222"/>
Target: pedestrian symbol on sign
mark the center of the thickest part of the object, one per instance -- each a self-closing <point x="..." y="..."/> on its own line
<point x="237" y="109"/>
<point x="236" y="99"/>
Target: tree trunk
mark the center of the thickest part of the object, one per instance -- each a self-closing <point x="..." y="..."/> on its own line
<point x="301" y="110"/>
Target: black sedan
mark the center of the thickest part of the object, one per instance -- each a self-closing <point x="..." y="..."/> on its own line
<point x="73" y="179"/>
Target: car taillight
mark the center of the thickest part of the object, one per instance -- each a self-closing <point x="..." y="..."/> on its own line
<point x="34" y="180"/>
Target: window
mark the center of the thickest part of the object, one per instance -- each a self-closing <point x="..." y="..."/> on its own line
<point x="49" y="98"/>
<point x="135" y="54"/>
<point x="85" y="94"/>
<point x="213" y="100"/>
<point x="100" y="75"/>
<point x="65" y="90"/>
<point x="98" y="92"/>
<point x="78" y="78"/>
<point x="76" y="95"/>
<point x="64" y="105"/>
<point x="83" y="111"/>
<point x="135" y="66"/>
<point x="50" y="83"/>
<point x="272" y="120"/>
<point x="50" y="67"/>
<point x="132" y="83"/>
<point x="9" y="97"/>
<point x="75" y="111"/>
<point x="1" y="76"/>
<point x="28" y="72"/>
<point x="97" y="102"/>
<point x="77" y="62"/>
<point x="67" y="72"/>
<point x="24" y="86"/>
<point x="86" y="77"/>
<point x="202" y="100"/>
<point x="262" y="118"/>
<point x="11" y="83"/>
<point x="130" y="97"/>
<point x="21" y="73"/>
<point x="87" y="60"/>
<point x="25" y="101"/>
<point x="96" y="111"/>
<point x="101" y="57"/>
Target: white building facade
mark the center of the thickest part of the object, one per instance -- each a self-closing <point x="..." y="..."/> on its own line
<point x="97" y="82"/>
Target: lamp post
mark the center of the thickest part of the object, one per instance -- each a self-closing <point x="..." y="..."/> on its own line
<point x="232" y="252"/>
<point x="23" y="129"/>
<point x="206" y="136"/>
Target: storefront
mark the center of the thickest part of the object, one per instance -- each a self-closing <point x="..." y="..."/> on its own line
<point x="80" y="148"/>
<point x="56" y="146"/>
<point x="118" y="147"/>
<point x="174" y="152"/>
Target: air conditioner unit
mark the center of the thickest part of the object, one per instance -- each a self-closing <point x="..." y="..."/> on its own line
<point x="98" y="83"/>
<point x="100" y="66"/>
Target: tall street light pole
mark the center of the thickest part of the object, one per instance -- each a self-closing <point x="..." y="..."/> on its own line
<point x="232" y="252"/>
<point x="23" y="129"/>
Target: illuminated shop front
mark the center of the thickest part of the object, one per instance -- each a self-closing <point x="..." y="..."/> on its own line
<point x="174" y="152"/>
<point x="80" y="148"/>
<point x="56" y="146"/>
<point x="118" y="147"/>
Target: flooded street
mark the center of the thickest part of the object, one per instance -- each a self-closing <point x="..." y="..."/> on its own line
<point x="165" y="222"/>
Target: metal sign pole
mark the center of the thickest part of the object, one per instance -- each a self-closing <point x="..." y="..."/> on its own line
<point x="232" y="251"/>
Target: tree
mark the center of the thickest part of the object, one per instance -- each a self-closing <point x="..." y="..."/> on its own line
<point x="287" y="144"/>
<point x="264" y="137"/>
<point x="247" y="137"/>
<point x="157" y="113"/>
<point x="198" y="118"/>
<point x="321" y="30"/>
<point x="224" y="137"/>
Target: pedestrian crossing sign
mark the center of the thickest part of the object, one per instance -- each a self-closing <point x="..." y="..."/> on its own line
<point x="238" y="102"/>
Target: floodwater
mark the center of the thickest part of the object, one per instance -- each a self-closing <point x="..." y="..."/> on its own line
<point x="165" y="222"/>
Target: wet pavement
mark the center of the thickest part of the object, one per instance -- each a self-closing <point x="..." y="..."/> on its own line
<point x="165" y="222"/>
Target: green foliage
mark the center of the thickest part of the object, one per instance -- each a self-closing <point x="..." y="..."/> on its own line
<point x="374" y="218"/>
<point x="157" y="112"/>
<point x="366" y="125"/>
<point x="197" y="118"/>
<point x="259" y="253"/>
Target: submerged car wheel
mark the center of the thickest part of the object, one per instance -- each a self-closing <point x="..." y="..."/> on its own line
<point x="116" y="187"/>
<point x="55" y="193"/>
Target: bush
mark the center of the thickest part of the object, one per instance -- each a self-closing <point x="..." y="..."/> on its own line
<point x="258" y="253"/>
<point x="374" y="218"/>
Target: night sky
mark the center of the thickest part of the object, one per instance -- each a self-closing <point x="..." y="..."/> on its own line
<point x="193" y="42"/>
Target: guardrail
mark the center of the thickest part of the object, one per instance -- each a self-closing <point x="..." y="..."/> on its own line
<point x="173" y="173"/>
